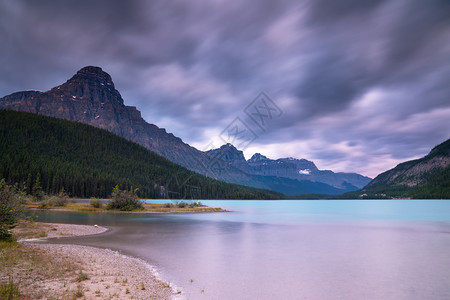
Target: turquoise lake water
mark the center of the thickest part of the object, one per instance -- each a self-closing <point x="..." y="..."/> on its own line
<point x="293" y="249"/>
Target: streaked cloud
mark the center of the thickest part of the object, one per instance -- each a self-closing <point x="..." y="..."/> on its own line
<point x="363" y="85"/>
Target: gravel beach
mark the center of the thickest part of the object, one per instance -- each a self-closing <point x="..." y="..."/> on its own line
<point x="109" y="275"/>
<point x="81" y="271"/>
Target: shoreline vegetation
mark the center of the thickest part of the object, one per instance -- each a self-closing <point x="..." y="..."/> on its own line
<point x="31" y="270"/>
<point x="147" y="208"/>
<point x="121" y="201"/>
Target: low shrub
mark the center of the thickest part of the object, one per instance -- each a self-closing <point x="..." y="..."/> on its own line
<point x="124" y="200"/>
<point x="96" y="203"/>
<point x="82" y="276"/>
<point x="57" y="201"/>
<point x="78" y="293"/>
<point x="195" y="204"/>
<point x="43" y="204"/>
<point x="52" y="201"/>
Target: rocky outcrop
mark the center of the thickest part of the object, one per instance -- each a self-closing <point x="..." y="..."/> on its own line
<point x="15" y="98"/>
<point x="232" y="156"/>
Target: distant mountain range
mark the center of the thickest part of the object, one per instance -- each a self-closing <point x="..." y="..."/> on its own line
<point x="290" y="176"/>
<point x="90" y="97"/>
<point x="427" y="177"/>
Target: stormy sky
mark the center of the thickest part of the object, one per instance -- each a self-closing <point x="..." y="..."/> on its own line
<point x="358" y="85"/>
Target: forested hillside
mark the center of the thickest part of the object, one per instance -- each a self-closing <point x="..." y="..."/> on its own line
<point x="424" y="178"/>
<point x="87" y="161"/>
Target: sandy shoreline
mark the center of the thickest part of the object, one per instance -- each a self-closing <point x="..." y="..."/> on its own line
<point x="95" y="273"/>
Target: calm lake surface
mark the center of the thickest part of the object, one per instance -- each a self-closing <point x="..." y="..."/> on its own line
<point x="349" y="249"/>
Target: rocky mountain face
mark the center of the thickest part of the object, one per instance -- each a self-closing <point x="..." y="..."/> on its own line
<point x="427" y="177"/>
<point x="19" y="97"/>
<point x="283" y="167"/>
<point x="229" y="154"/>
<point x="299" y="170"/>
<point x="90" y="97"/>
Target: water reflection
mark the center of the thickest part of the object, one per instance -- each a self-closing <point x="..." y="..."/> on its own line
<point x="290" y="249"/>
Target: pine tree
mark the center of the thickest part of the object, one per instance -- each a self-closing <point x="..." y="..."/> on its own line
<point x="29" y="184"/>
<point x="10" y="210"/>
<point x="37" y="189"/>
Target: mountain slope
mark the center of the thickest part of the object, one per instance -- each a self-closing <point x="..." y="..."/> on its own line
<point x="90" y="97"/>
<point x="428" y="177"/>
<point x="88" y="161"/>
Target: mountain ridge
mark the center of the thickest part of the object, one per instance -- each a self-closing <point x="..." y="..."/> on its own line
<point x="90" y="97"/>
<point x="300" y="170"/>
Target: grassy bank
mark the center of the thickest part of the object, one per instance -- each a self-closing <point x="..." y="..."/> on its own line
<point x="23" y="268"/>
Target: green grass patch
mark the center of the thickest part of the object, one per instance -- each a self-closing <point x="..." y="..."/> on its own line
<point x="9" y="290"/>
<point x="82" y="276"/>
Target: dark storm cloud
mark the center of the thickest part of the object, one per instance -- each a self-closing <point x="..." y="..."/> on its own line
<point x="331" y="84"/>
<point x="367" y="80"/>
<point x="324" y="11"/>
<point x="366" y="44"/>
<point x="46" y="35"/>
